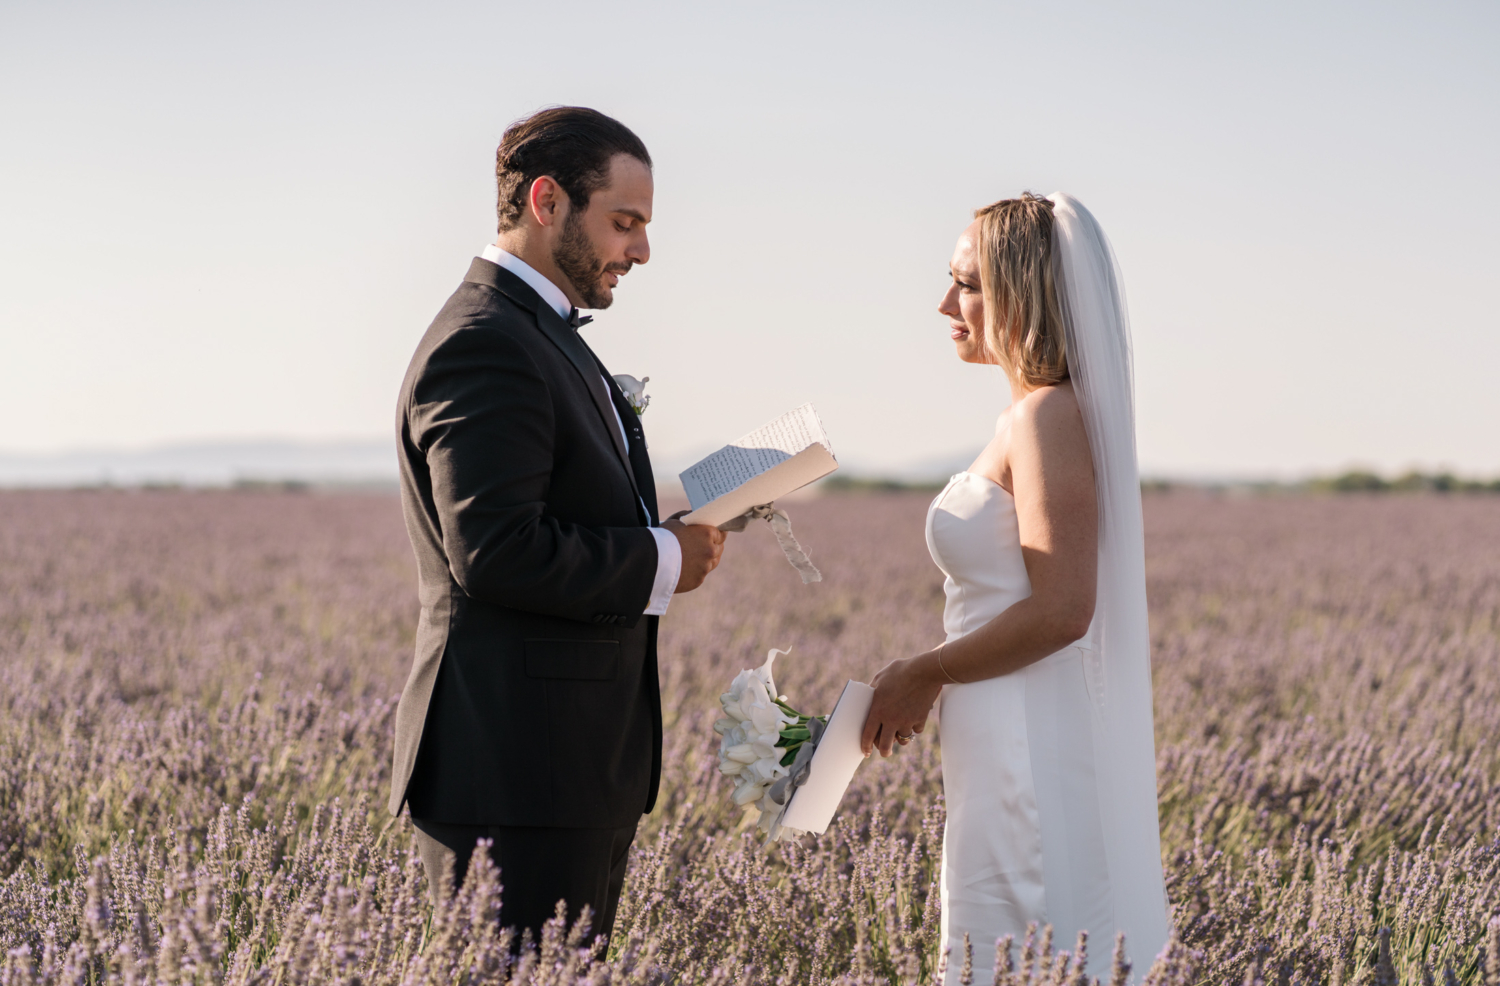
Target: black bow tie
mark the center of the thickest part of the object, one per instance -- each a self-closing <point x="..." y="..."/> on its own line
<point x="578" y="321"/>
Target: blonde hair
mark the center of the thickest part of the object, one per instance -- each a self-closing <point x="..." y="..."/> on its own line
<point x="1023" y="322"/>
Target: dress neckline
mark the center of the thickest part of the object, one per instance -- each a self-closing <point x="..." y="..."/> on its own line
<point x="985" y="479"/>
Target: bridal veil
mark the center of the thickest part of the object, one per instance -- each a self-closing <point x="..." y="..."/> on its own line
<point x="1119" y="667"/>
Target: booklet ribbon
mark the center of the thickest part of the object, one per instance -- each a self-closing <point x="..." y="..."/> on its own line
<point x="781" y="526"/>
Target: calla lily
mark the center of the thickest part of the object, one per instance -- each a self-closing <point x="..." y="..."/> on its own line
<point x="742" y="753"/>
<point x="749" y="793"/>
<point x="765" y="771"/>
<point x="764" y="715"/>
<point x="634" y="390"/>
<point x="764" y="671"/>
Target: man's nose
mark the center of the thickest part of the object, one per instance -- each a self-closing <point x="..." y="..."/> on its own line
<point x="640" y="250"/>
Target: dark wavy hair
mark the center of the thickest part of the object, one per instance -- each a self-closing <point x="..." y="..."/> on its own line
<point x="571" y="144"/>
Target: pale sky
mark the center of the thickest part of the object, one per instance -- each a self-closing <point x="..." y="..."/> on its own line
<point x="224" y="221"/>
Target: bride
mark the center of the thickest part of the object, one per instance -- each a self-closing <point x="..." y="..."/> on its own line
<point x="1044" y="679"/>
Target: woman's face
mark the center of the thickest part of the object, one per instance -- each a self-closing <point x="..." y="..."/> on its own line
<point x="964" y="304"/>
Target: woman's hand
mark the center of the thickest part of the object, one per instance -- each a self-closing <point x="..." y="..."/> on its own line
<point x="905" y="691"/>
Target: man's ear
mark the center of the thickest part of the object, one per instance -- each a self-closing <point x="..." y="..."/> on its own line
<point x="549" y="203"/>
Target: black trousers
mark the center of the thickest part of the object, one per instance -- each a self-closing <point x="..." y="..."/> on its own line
<point x="538" y="867"/>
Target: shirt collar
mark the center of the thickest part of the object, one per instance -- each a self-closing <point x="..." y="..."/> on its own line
<point x="550" y="292"/>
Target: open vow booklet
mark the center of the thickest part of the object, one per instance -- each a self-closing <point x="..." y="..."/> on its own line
<point x="772" y="461"/>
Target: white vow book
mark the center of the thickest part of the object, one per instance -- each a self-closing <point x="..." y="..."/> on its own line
<point x="770" y="462"/>
<point x="833" y="764"/>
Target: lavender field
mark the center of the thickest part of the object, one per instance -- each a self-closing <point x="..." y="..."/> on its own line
<point x="196" y="703"/>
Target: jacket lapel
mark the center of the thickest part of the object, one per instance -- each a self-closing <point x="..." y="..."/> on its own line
<point x="565" y="338"/>
<point x="640" y="461"/>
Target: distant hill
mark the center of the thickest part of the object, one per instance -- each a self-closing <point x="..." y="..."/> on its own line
<point x="371" y="464"/>
<point x="367" y="462"/>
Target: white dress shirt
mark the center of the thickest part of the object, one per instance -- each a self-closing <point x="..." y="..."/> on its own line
<point x="668" y="551"/>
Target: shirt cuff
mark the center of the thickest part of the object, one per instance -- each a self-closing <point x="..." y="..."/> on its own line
<point x="668" y="571"/>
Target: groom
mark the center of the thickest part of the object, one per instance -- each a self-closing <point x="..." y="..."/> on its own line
<point x="532" y="716"/>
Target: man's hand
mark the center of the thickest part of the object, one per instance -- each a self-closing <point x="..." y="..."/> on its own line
<point x="702" y="546"/>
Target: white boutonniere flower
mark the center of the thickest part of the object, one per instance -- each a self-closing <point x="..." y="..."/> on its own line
<point x="635" y="391"/>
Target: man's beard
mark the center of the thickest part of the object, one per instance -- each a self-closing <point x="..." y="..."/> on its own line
<point x="580" y="264"/>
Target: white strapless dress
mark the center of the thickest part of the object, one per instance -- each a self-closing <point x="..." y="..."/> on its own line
<point x="1025" y="839"/>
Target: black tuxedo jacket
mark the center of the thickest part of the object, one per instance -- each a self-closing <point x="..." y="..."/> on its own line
<point x="533" y="697"/>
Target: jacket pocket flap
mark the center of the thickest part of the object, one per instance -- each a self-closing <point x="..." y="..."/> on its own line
<point x="578" y="660"/>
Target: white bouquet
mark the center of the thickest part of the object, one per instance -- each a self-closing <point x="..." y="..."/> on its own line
<point x="766" y="745"/>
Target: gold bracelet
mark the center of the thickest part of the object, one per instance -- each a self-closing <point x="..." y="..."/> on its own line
<point x="940" y="664"/>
